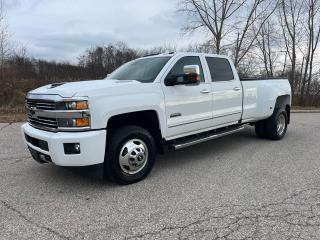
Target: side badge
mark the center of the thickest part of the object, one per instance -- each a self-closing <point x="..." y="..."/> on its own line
<point x="175" y="115"/>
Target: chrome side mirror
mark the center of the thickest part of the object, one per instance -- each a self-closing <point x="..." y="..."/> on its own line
<point x="191" y="69"/>
<point x="191" y="75"/>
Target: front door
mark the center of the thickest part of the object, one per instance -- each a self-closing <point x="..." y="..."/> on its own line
<point x="188" y="107"/>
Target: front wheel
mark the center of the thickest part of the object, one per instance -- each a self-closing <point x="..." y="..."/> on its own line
<point x="130" y="154"/>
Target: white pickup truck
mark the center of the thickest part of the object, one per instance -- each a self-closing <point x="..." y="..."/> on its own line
<point x="120" y="123"/>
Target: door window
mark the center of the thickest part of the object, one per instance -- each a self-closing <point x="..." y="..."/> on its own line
<point x="220" y="69"/>
<point x="185" y="61"/>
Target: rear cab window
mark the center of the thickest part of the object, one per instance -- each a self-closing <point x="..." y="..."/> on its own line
<point x="220" y="69"/>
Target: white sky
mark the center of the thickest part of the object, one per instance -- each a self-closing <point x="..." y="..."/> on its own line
<point x="63" y="29"/>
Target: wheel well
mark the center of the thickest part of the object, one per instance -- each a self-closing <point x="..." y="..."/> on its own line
<point x="283" y="102"/>
<point x="146" y="119"/>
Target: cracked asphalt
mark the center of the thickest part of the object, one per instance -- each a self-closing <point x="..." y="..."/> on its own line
<point x="236" y="187"/>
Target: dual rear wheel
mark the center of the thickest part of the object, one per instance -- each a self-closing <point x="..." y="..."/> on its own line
<point x="275" y="127"/>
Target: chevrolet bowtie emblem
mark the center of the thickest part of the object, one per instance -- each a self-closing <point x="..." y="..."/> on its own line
<point x="32" y="111"/>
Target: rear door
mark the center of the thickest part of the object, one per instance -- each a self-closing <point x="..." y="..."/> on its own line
<point x="188" y="107"/>
<point x="226" y="91"/>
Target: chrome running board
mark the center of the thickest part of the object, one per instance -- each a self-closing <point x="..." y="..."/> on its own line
<point x="189" y="141"/>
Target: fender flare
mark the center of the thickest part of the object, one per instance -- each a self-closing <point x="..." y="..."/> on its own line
<point x="284" y="102"/>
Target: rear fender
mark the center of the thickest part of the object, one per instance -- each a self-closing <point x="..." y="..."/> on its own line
<point x="284" y="102"/>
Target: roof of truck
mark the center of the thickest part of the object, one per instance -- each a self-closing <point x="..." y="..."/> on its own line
<point x="185" y="53"/>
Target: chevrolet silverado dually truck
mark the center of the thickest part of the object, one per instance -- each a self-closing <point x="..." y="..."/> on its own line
<point x="173" y="100"/>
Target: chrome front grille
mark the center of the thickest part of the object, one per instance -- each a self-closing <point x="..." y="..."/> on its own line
<point x="41" y="104"/>
<point x="46" y="123"/>
<point x="43" y="122"/>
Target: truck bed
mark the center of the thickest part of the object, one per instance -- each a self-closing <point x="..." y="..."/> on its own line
<point x="259" y="97"/>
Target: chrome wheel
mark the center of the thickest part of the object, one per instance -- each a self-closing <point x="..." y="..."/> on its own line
<point x="281" y="124"/>
<point x="133" y="156"/>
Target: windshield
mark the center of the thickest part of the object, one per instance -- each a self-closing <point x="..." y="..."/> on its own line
<point x="143" y="70"/>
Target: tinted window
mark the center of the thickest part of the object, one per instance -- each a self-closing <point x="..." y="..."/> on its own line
<point x="143" y="70"/>
<point x="220" y="69"/>
<point x="185" y="61"/>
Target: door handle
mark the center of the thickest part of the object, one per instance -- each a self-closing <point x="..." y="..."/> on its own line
<point x="204" y="91"/>
<point x="237" y="89"/>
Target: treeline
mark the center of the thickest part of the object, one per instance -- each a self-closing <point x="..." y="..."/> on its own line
<point x="20" y="74"/>
<point x="101" y="60"/>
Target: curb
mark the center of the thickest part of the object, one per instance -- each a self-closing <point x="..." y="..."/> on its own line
<point x="305" y="111"/>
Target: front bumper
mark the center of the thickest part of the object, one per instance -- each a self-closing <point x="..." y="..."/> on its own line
<point x="92" y="143"/>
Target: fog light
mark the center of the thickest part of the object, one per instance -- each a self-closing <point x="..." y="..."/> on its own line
<point x="77" y="147"/>
<point x="72" y="148"/>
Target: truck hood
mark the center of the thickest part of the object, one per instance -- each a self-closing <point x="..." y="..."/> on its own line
<point x="83" y="88"/>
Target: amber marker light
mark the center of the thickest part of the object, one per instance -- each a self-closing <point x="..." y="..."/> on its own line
<point x="82" y="122"/>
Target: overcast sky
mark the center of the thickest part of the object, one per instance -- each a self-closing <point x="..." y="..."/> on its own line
<point x="63" y="29"/>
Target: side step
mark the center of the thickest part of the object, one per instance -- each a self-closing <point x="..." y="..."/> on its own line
<point x="195" y="139"/>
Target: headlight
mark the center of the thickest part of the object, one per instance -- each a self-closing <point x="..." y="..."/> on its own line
<point x="73" y="105"/>
<point x="74" y="114"/>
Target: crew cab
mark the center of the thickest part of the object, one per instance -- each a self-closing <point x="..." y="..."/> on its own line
<point x="119" y="124"/>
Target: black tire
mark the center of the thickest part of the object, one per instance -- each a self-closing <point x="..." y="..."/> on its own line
<point x="260" y="128"/>
<point x="116" y="142"/>
<point x="271" y="125"/>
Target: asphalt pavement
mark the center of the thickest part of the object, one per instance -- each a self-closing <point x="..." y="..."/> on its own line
<point x="236" y="187"/>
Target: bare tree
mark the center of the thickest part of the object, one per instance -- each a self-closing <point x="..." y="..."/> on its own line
<point x="250" y="26"/>
<point x="5" y="43"/>
<point x="312" y="27"/>
<point x="267" y="42"/>
<point x="290" y="18"/>
<point x="229" y="22"/>
<point x="213" y="16"/>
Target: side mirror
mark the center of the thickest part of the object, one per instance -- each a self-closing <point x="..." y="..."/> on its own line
<point x="191" y="75"/>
